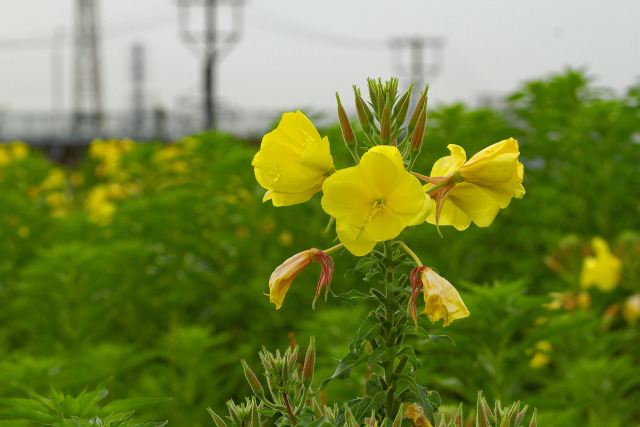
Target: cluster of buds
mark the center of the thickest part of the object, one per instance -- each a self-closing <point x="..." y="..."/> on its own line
<point x="245" y="414"/>
<point x="390" y="110"/>
<point x="288" y="389"/>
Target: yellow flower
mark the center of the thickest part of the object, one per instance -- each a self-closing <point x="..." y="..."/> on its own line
<point x="541" y="357"/>
<point x="283" y="276"/>
<point x="441" y="299"/>
<point x="293" y="161"/>
<point x="603" y="270"/>
<point x="375" y="200"/>
<point x="415" y="413"/>
<point x="477" y="189"/>
<point x="631" y="309"/>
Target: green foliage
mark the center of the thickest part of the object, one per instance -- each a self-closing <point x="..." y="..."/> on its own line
<point x="64" y="410"/>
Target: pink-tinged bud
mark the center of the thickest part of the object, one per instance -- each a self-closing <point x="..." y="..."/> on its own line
<point x="283" y="276"/>
<point x="345" y="126"/>
<point x="413" y="120"/>
<point x="216" y="418"/>
<point x="253" y="381"/>
<point x="418" y="134"/>
<point x="309" y="363"/>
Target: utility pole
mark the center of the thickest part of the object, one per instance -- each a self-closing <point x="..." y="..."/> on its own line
<point x="87" y="89"/>
<point x="137" y="89"/>
<point x="418" y="70"/>
<point x="210" y="44"/>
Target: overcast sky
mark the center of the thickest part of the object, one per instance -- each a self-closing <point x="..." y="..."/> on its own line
<point x="296" y="53"/>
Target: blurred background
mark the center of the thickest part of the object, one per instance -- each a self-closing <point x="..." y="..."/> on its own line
<point x="134" y="247"/>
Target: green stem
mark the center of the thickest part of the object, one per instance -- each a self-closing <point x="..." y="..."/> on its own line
<point x="410" y="253"/>
<point x="387" y="263"/>
<point x="292" y="416"/>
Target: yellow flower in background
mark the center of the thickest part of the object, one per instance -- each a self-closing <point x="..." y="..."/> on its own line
<point x="475" y="190"/>
<point x="375" y="200"/>
<point x="55" y="180"/>
<point x="541" y="357"/>
<point x="415" y="413"/>
<point x="441" y="299"/>
<point x="281" y="279"/>
<point x="602" y="270"/>
<point x="293" y="161"/>
<point x="13" y="151"/>
<point x="631" y="309"/>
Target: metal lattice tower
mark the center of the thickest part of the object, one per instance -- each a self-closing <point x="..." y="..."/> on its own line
<point x="418" y="70"/>
<point x="137" y="89"/>
<point x="210" y="44"/>
<point x="87" y="90"/>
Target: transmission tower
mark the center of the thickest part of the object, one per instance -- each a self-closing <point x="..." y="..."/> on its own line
<point x="418" y="70"/>
<point x="137" y="89"/>
<point x="87" y="91"/>
<point x="210" y="44"/>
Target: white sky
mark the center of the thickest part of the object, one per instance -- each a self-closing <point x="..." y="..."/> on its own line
<point x="296" y="53"/>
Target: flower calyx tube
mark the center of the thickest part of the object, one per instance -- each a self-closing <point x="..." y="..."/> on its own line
<point x="283" y="276"/>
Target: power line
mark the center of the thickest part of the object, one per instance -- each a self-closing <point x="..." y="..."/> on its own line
<point x="331" y="39"/>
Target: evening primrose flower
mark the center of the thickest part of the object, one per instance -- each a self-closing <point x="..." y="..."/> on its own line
<point x="375" y="200"/>
<point x="283" y="276"/>
<point x="602" y="270"/>
<point x="441" y="299"/>
<point x="293" y="161"/>
<point x="475" y="190"/>
<point x="541" y="357"/>
<point x="631" y="309"/>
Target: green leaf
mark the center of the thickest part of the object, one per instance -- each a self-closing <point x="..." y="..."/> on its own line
<point x="354" y="297"/>
<point x="345" y="367"/>
<point x="369" y="404"/>
<point x="369" y="328"/>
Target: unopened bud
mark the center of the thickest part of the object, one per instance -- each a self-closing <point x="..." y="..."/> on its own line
<point x="373" y="94"/>
<point x="533" y="422"/>
<point x="309" y="363"/>
<point x="233" y="411"/>
<point x="413" y="120"/>
<point x="402" y="107"/>
<point x="349" y="418"/>
<point x="418" y="134"/>
<point x="364" y="114"/>
<point x="216" y="418"/>
<point x="345" y="126"/>
<point x="385" y="125"/>
<point x="254" y="415"/>
<point x="253" y="381"/>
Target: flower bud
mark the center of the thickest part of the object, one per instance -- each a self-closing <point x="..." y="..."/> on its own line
<point x="385" y="125"/>
<point x="402" y="107"/>
<point x="233" y="412"/>
<point x="216" y="418"/>
<point x="253" y="381"/>
<point x="309" y="363"/>
<point x="413" y="120"/>
<point x="418" y="134"/>
<point x="364" y="114"/>
<point x="345" y="126"/>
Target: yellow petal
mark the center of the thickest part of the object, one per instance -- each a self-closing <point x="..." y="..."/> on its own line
<point x="353" y="239"/>
<point x="449" y="164"/>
